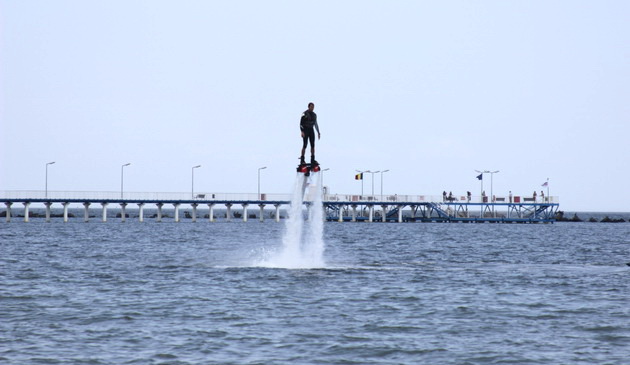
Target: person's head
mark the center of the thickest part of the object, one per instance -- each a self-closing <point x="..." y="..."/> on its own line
<point x="311" y="106"/>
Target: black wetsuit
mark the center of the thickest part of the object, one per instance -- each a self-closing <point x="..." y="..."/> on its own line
<point x="307" y="122"/>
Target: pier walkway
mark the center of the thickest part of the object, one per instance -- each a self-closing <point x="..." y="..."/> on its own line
<point x="338" y="207"/>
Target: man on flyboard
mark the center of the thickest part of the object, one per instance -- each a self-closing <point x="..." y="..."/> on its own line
<point x="308" y="124"/>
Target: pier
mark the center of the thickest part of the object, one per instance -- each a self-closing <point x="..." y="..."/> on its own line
<point x="338" y="207"/>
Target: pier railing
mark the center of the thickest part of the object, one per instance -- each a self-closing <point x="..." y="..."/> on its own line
<point x="201" y="197"/>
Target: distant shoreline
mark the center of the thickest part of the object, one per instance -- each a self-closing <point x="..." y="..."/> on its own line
<point x="593" y="217"/>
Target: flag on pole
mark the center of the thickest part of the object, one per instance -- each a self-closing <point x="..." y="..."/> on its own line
<point x="358" y="176"/>
<point x="546" y="183"/>
<point x="480" y="177"/>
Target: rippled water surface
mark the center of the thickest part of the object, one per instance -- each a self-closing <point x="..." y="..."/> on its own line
<point x="192" y="293"/>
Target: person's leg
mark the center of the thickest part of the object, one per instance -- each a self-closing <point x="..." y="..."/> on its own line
<point x="304" y="142"/>
<point x="311" y="138"/>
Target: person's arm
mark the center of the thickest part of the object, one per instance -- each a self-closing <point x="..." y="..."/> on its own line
<point x="316" y="126"/>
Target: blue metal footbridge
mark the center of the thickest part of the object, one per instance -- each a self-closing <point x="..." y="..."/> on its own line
<point x="338" y="207"/>
<point x="452" y="212"/>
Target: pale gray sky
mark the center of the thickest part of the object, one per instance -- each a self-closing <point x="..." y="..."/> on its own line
<point x="431" y="90"/>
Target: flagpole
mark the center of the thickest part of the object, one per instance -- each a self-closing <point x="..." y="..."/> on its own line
<point x="361" y="172"/>
<point x="548" y="197"/>
<point x="481" y="191"/>
<point x="480" y="177"/>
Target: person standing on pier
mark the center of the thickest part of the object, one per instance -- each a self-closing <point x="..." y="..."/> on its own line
<point x="308" y="124"/>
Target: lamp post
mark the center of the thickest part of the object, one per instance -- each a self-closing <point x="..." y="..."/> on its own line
<point x="382" y="183"/>
<point x="373" y="172"/>
<point x="122" y="178"/>
<point x="260" y="168"/>
<point x="491" y="185"/>
<point x="192" y="188"/>
<point x="326" y="169"/>
<point x="50" y="163"/>
<point x="361" y="172"/>
<point x="492" y="193"/>
<point x="491" y="177"/>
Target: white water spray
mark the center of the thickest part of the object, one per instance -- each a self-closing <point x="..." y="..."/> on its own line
<point x="303" y="242"/>
<point x="314" y="248"/>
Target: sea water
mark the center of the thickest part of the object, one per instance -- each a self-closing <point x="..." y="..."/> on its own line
<point x="384" y="293"/>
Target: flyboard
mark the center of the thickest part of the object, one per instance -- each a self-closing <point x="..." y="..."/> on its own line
<point x="307" y="168"/>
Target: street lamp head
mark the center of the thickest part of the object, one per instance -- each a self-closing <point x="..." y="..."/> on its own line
<point x="262" y="168"/>
<point x="127" y="164"/>
<point x="194" y="167"/>
<point x="51" y="163"/>
<point x="494" y="172"/>
<point x="385" y="171"/>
